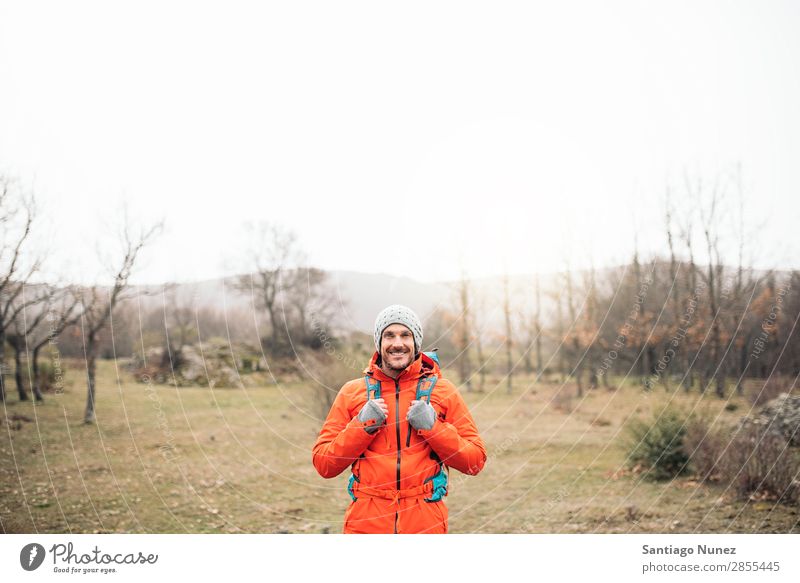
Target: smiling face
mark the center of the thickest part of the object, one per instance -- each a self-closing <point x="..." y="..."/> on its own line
<point x="397" y="348"/>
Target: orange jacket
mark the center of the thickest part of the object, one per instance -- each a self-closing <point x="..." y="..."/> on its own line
<point x="392" y="477"/>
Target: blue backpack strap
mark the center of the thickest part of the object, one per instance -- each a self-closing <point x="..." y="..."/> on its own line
<point x="352" y="481"/>
<point x="425" y="387"/>
<point x="439" y="484"/>
<point x="373" y="388"/>
<point x="434" y="356"/>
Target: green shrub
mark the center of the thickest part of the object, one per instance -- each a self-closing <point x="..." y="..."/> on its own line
<point x="656" y="446"/>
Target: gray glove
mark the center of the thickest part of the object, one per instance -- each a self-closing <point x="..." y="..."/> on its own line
<point x="421" y="415"/>
<point x="369" y="411"/>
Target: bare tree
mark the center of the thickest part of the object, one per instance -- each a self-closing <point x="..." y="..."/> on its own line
<point x="33" y="299"/>
<point x="537" y="322"/>
<point x="742" y="290"/>
<point x="61" y="312"/>
<point x="273" y="252"/>
<point x="46" y="312"/>
<point x="641" y="335"/>
<point x="98" y="303"/>
<point x="310" y="305"/>
<point x="574" y="340"/>
<point x="478" y="315"/>
<point x="463" y="330"/>
<point x="17" y="215"/>
<point x="675" y="290"/>
<point x="713" y="277"/>
<point x="177" y="319"/>
<point x="509" y="333"/>
<point x="530" y="318"/>
<point x="590" y="328"/>
<point x="694" y="324"/>
<point x="791" y="336"/>
<point x="557" y="296"/>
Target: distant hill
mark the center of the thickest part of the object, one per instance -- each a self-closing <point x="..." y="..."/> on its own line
<point x="362" y="295"/>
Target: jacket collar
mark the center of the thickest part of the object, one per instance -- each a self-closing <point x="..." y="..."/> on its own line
<point x="421" y="366"/>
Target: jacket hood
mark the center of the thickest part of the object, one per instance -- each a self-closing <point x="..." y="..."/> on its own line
<point x="423" y="365"/>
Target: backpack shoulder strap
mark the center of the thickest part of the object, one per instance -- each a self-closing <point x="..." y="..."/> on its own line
<point x="425" y="387"/>
<point x="426" y="384"/>
<point x="373" y="388"/>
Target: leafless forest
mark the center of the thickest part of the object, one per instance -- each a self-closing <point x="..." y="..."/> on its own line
<point x="695" y="318"/>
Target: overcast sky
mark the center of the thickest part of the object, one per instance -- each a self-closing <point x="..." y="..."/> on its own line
<point x="411" y="138"/>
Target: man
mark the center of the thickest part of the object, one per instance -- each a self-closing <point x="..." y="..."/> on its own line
<point x="400" y="427"/>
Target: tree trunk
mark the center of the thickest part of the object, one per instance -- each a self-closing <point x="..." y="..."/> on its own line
<point x="464" y="364"/>
<point x="539" y="351"/>
<point x="91" y="364"/>
<point x="645" y="367"/>
<point x="742" y="365"/>
<point x="721" y="376"/>
<point x="2" y="367"/>
<point x="686" y="374"/>
<point x="528" y="360"/>
<point x="23" y="394"/>
<point x="481" y="363"/>
<point x="562" y="357"/>
<point x="592" y="376"/>
<point x="466" y="377"/>
<point x="274" y="325"/>
<point x="538" y="327"/>
<point x="578" y="374"/>
<point x="36" y="384"/>
<point x="687" y="377"/>
<point x="507" y="313"/>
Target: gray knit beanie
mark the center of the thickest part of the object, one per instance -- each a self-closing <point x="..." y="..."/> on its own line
<point x="397" y="314"/>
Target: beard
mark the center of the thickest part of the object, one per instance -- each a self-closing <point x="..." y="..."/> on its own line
<point x="398" y="364"/>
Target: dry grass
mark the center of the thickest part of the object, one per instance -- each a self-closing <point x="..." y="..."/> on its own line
<point x="162" y="459"/>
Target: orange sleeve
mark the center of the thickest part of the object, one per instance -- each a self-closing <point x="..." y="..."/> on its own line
<point x="455" y="440"/>
<point x="341" y="440"/>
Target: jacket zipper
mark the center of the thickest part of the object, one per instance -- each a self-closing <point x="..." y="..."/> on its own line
<point x="399" y="443"/>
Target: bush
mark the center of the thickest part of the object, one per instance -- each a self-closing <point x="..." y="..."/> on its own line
<point x="760" y="464"/>
<point x="753" y="461"/>
<point x="705" y="445"/>
<point x="657" y="446"/>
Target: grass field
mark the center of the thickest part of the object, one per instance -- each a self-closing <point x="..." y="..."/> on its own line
<point x="161" y="459"/>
